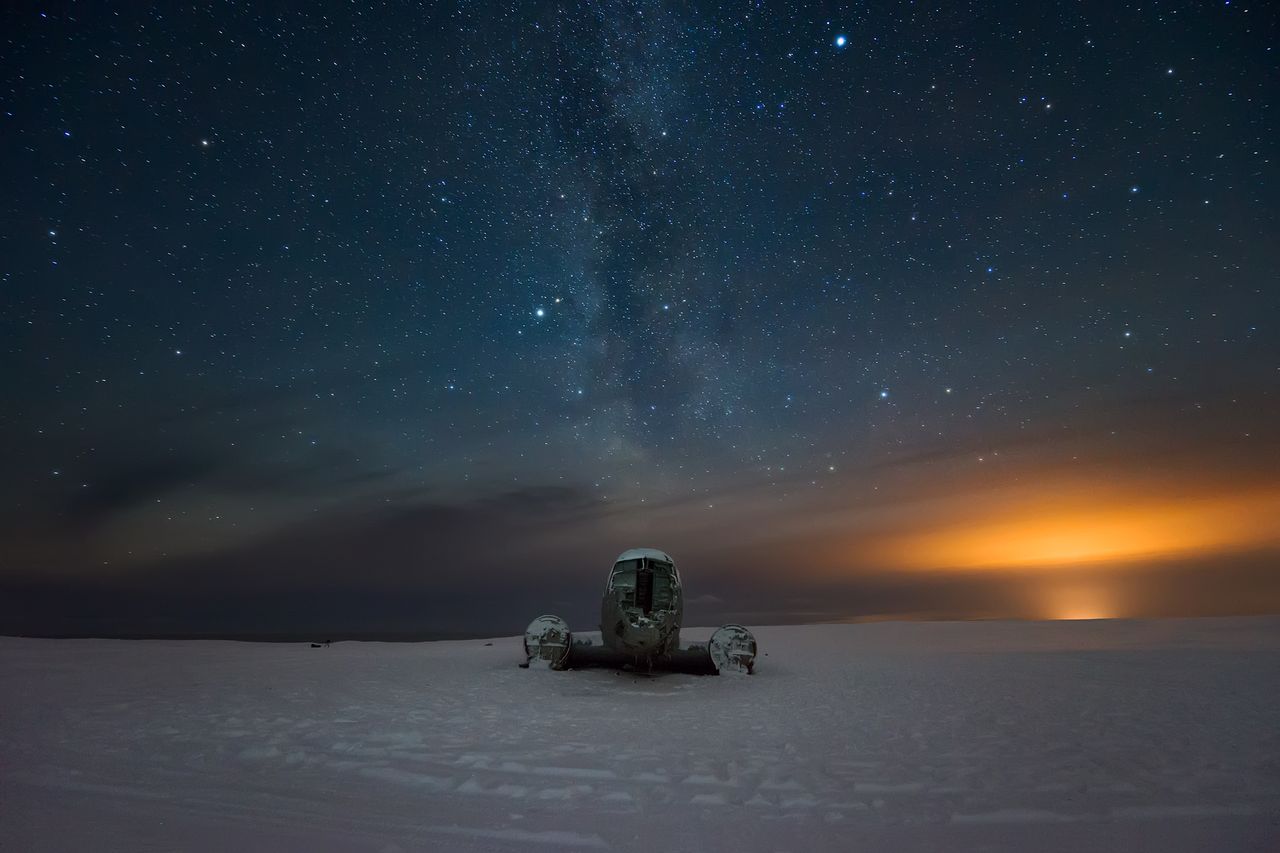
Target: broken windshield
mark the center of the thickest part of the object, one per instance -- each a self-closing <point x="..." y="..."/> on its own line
<point x="645" y="583"/>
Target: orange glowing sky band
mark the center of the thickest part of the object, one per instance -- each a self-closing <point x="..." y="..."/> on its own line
<point x="1079" y="531"/>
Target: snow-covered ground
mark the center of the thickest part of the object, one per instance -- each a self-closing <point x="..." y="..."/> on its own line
<point x="1157" y="736"/>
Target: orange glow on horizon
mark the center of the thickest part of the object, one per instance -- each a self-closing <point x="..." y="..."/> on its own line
<point x="1081" y="615"/>
<point x="1081" y="528"/>
<point x="1077" y="602"/>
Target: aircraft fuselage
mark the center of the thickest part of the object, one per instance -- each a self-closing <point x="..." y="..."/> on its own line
<point x="640" y="617"/>
<point x="643" y="605"/>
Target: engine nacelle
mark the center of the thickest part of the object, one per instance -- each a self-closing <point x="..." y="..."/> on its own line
<point x="733" y="650"/>
<point x="547" y="641"/>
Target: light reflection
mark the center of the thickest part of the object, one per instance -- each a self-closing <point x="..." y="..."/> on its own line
<point x="1079" y="601"/>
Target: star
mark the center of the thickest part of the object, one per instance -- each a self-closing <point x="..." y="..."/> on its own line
<point x="841" y="41"/>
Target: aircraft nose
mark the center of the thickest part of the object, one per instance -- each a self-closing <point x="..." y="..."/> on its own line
<point x="642" y="633"/>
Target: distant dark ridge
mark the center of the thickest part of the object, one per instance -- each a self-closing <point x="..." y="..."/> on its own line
<point x="370" y="637"/>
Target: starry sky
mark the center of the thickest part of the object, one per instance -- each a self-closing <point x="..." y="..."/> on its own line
<point x="377" y="318"/>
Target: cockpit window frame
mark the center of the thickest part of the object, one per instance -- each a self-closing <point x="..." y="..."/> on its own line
<point x="640" y="562"/>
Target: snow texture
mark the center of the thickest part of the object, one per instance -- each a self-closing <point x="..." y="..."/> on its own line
<point x="1160" y="736"/>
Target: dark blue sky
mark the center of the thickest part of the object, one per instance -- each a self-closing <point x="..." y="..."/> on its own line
<point x="391" y="317"/>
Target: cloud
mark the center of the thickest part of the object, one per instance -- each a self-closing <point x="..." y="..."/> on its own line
<point x="118" y="487"/>
<point x="368" y="566"/>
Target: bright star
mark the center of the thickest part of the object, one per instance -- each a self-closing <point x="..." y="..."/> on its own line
<point x="841" y="41"/>
<point x="884" y="395"/>
<point x="539" y="313"/>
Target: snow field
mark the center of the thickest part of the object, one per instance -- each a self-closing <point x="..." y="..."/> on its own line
<point x="905" y="736"/>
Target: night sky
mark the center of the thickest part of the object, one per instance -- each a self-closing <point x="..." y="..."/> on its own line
<point x="377" y="318"/>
